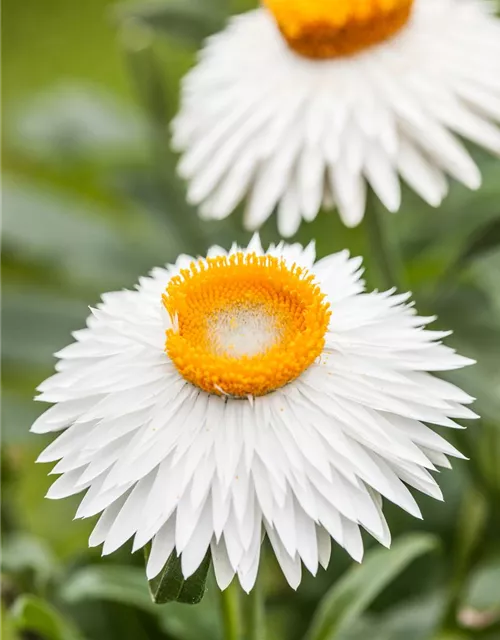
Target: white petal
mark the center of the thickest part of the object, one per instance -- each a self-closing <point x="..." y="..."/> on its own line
<point x="161" y="549"/>
<point x="290" y="566"/>
<point x="324" y="546"/>
<point x="195" y="550"/>
<point x="307" y="546"/>
<point x="105" y="522"/>
<point x="127" y="521"/>
<point x="224" y="572"/>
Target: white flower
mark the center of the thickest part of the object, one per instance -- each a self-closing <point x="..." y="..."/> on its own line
<point x="250" y="393"/>
<point x="349" y="99"/>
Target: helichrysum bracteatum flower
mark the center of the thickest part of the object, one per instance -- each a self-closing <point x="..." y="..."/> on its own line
<point x="244" y="394"/>
<point x="299" y="104"/>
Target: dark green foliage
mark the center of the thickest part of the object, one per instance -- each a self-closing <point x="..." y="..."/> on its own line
<point x="170" y="586"/>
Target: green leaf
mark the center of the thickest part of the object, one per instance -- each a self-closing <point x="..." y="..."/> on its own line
<point x="194" y="587"/>
<point x="30" y="613"/>
<point x="68" y="234"/>
<point x="7" y="625"/>
<point x="415" y="619"/>
<point x="487" y="455"/>
<point x="170" y="585"/>
<point x="478" y="243"/>
<point x="23" y="552"/>
<point x="147" y="75"/>
<point x="188" y="20"/>
<point x="485" y="239"/>
<point x="360" y="585"/>
<point x="126" y="585"/>
<point x="192" y="623"/>
<point x="472" y="522"/>
<point x="483" y="590"/>
<point x="37" y="324"/>
<point x="75" y="120"/>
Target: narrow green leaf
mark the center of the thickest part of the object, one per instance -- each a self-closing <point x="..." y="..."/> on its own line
<point x="413" y="619"/>
<point x="485" y="239"/>
<point x="170" y="585"/>
<point x="148" y="77"/>
<point x="187" y="20"/>
<point x="488" y="453"/>
<point x="360" y="585"/>
<point x="73" y="121"/>
<point x="30" y="613"/>
<point x="478" y="243"/>
<point x="83" y="244"/>
<point x="472" y="522"/>
<point x="126" y="585"/>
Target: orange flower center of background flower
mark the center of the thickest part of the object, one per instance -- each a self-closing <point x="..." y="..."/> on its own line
<point x="332" y="28"/>
<point x="244" y="325"/>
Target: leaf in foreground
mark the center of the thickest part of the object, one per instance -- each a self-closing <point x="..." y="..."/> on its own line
<point x="360" y="585"/>
<point x="126" y="585"/>
<point x="33" y="614"/>
<point x="170" y="585"/>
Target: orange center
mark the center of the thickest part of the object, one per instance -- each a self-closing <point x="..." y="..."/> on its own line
<point x="244" y="325"/>
<point x="332" y="28"/>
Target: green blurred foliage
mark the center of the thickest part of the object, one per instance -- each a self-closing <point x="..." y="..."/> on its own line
<point x="91" y="201"/>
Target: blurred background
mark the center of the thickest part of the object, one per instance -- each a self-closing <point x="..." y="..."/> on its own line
<point x="91" y="201"/>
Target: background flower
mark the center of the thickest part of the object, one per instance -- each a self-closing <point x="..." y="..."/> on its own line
<point x="355" y="96"/>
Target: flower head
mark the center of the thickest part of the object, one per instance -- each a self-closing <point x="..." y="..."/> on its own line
<point x="319" y="29"/>
<point x="301" y="103"/>
<point x="245" y="394"/>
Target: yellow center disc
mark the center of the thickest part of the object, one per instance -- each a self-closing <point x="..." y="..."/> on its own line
<point x="332" y="28"/>
<point x="244" y="325"/>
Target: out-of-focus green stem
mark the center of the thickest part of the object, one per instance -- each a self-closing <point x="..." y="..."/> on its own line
<point x="254" y="614"/>
<point x="149" y="83"/>
<point x="472" y="524"/>
<point x="384" y="252"/>
<point x="230" y="612"/>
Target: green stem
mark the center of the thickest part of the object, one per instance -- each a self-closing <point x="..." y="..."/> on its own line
<point x="384" y="251"/>
<point x="472" y="525"/>
<point x="230" y="612"/>
<point x="254" y="617"/>
<point x="149" y="83"/>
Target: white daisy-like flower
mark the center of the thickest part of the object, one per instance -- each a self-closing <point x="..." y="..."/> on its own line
<point x="301" y="103"/>
<point x="246" y="394"/>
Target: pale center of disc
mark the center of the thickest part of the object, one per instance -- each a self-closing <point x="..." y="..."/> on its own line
<point x="243" y="330"/>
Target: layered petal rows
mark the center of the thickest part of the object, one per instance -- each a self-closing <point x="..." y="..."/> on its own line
<point x="162" y="460"/>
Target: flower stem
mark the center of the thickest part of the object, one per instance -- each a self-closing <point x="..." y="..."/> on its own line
<point x="384" y="251"/>
<point x="254" y="616"/>
<point x="230" y="612"/>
